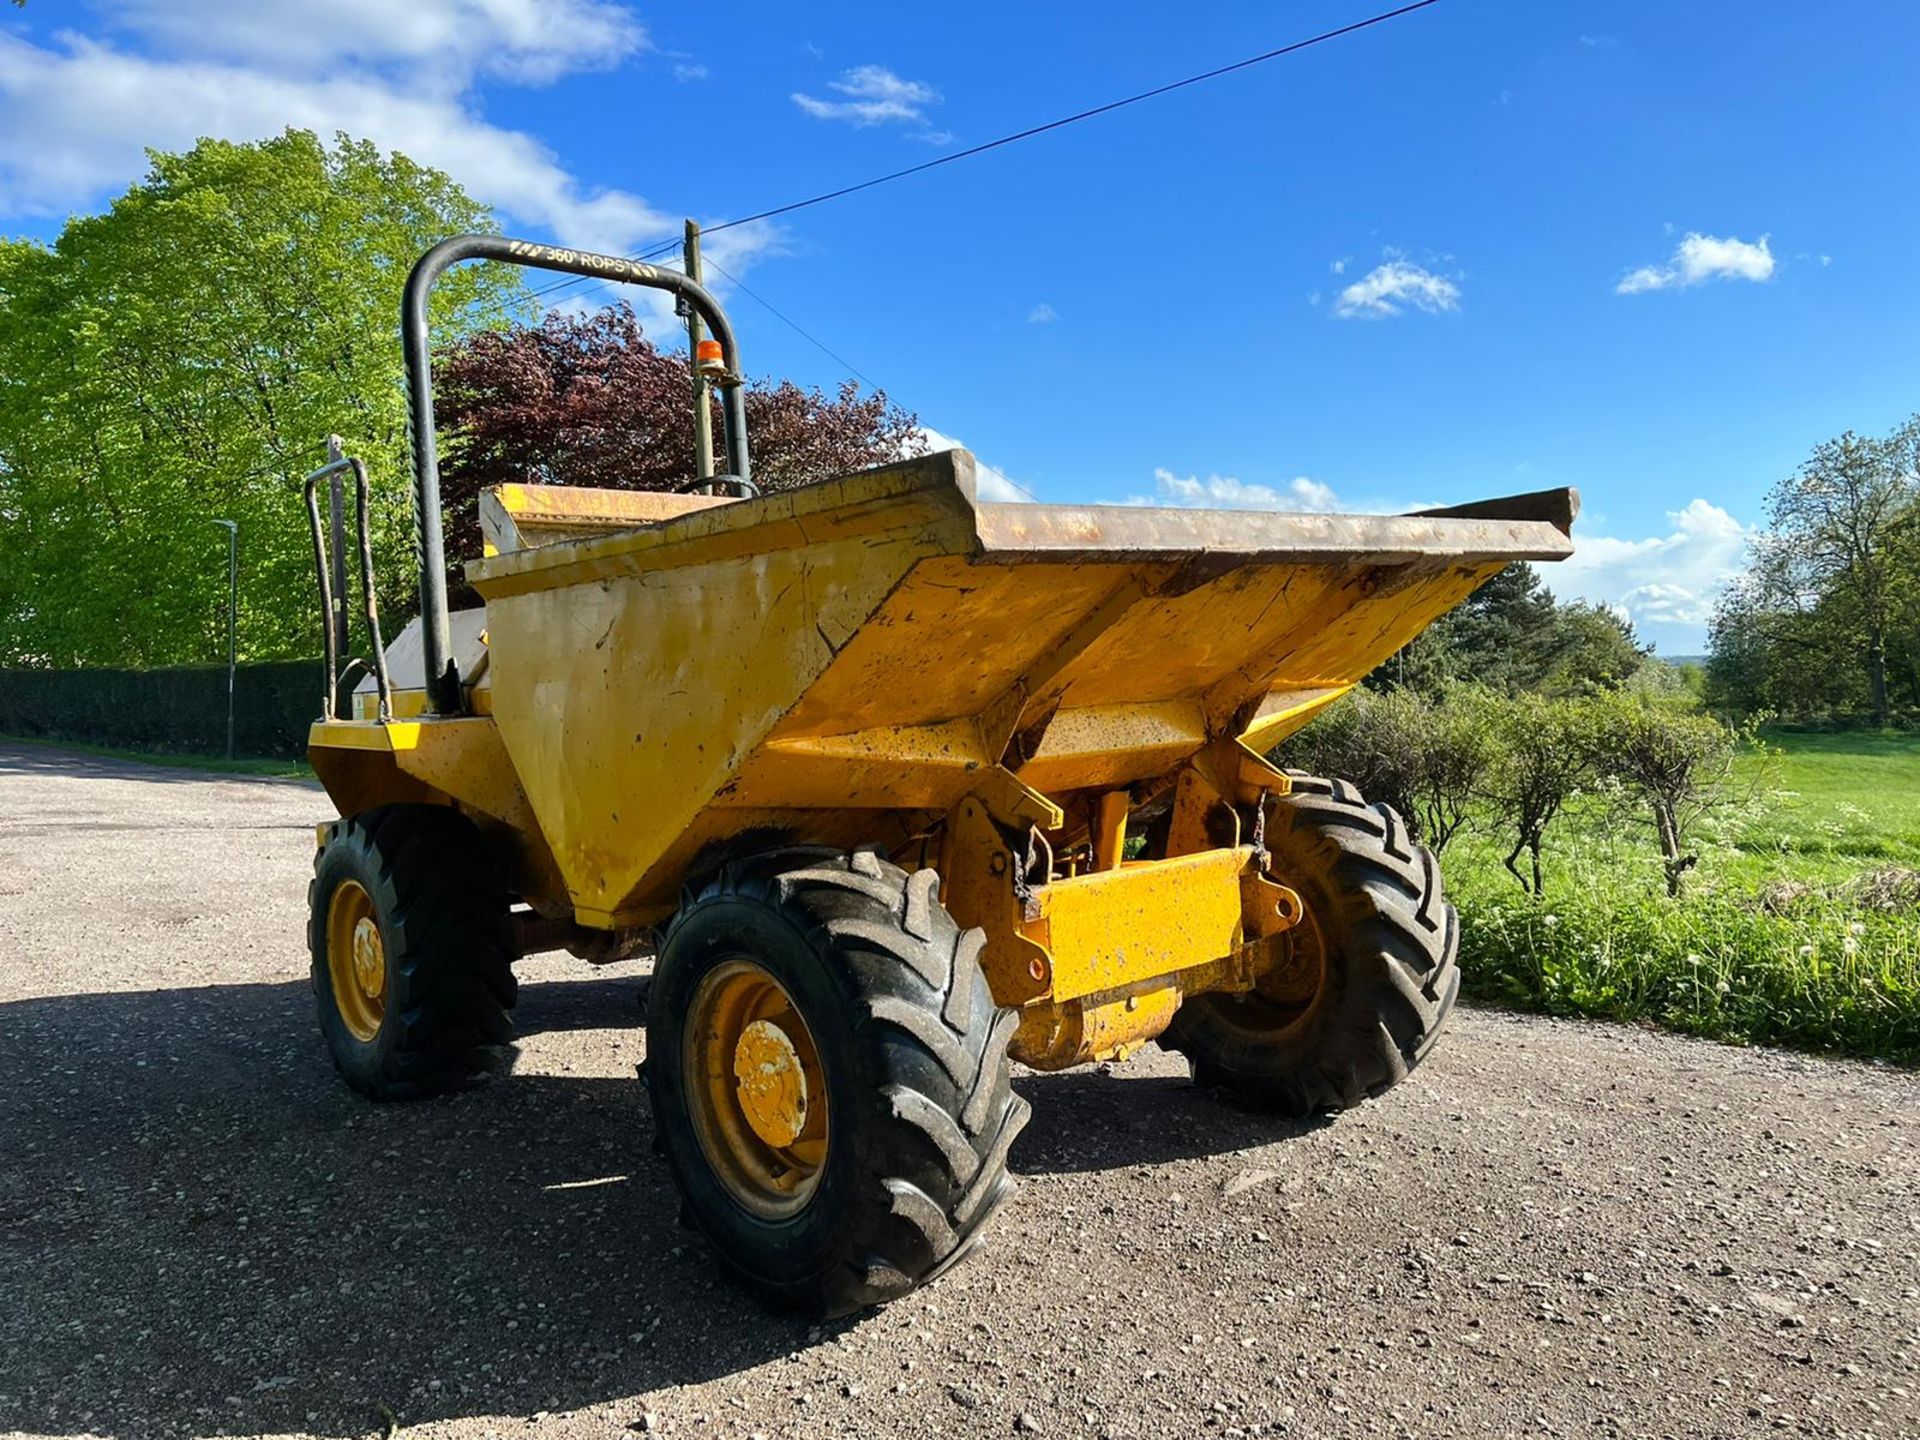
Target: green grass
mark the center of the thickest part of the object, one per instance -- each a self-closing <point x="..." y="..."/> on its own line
<point x="1814" y="968"/>
<point x="1844" y="798"/>
<point x="214" y="764"/>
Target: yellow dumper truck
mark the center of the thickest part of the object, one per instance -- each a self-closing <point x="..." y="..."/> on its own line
<point x="897" y="788"/>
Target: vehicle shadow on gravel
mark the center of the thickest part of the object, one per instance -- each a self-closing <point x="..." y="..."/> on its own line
<point x="202" y="1232"/>
<point x="1087" y="1120"/>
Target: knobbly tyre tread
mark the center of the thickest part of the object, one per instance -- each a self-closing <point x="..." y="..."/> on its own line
<point x="932" y="1109"/>
<point x="451" y="987"/>
<point x="1392" y="940"/>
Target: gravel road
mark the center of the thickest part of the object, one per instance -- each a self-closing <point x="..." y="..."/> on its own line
<point x="1552" y="1229"/>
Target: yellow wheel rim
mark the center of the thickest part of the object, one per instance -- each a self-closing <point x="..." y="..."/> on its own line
<point x="356" y="960"/>
<point x="755" y="1089"/>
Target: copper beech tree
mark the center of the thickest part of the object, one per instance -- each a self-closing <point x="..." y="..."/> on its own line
<point x="589" y="400"/>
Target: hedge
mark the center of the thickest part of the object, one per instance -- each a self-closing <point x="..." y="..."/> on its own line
<point x="182" y="708"/>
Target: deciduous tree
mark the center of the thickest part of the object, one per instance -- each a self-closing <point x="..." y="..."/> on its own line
<point x="1676" y="762"/>
<point x="1544" y="756"/>
<point x="590" y="400"/>
<point x="1512" y="635"/>
<point x="183" y="356"/>
<point x="1830" y="593"/>
<point x="1426" y="758"/>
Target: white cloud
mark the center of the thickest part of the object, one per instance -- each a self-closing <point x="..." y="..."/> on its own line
<point x="1387" y="289"/>
<point x="1699" y="258"/>
<point x="1661" y="580"/>
<point x="689" y="70"/>
<point x="526" y="41"/>
<point x="1339" y="267"/>
<point x="874" y="96"/>
<point x="994" y="485"/>
<point x="1225" y="492"/>
<point x="77" y="112"/>
<point x="74" y="121"/>
<point x="1042" y="314"/>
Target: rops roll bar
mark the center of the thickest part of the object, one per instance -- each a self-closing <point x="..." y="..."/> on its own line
<point x="443" y="676"/>
<point x="329" y="704"/>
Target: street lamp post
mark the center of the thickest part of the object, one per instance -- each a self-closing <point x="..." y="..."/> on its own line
<point x="233" y="604"/>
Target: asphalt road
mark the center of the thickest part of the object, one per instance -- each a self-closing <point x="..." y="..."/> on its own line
<point x="1551" y="1229"/>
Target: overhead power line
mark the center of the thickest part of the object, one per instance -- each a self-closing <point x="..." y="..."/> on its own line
<point x="1030" y="132"/>
<point x="790" y="323"/>
<point x="667" y="248"/>
<point x="1074" y="119"/>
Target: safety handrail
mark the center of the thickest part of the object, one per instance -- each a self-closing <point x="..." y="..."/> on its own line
<point x="329" y="705"/>
<point x="444" y="694"/>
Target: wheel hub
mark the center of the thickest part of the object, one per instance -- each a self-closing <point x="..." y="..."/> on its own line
<point x="369" y="958"/>
<point x="771" y="1083"/>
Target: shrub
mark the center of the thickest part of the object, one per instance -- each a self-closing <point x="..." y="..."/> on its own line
<point x="1543" y="755"/>
<point x="1676" y="762"/>
<point x="1425" y="758"/>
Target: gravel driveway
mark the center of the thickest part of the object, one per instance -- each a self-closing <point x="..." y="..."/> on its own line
<point x="1552" y="1229"/>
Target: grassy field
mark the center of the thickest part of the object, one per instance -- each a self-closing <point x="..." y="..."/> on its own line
<point x="1844" y="802"/>
<point x="1801" y="925"/>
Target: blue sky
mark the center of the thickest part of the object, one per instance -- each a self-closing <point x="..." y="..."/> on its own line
<point x="1653" y="250"/>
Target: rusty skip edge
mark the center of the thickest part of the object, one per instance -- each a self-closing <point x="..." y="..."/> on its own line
<point x="1527" y="527"/>
<point x="1535" y="526"/>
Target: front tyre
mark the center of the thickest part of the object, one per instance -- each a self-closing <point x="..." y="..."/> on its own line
<point x="829" y="1077"/>
<point x="1369" y="975"/>
<point x="411" y="952"/>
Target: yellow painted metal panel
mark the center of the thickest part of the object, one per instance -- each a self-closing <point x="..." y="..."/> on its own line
<point x="955" y="635"/>
<point x="634" y="675"/>
<point x="1147" y="919"/>
<point x="919" y="767"/>
<point x="1397" y="606"/>
<point x="1281" y="713"/>
<point x="361" y="735"/>
<point x="1109" y="745"/>
<point x="1180" y="644"/>
<point x="516" y="517"/>
<point x="412" y="704"/>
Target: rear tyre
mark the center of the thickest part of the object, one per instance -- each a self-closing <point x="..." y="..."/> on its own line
<point x="1369" y="976"/>
<point x="829" y="1077"/>
<point x="412" y="952"/>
